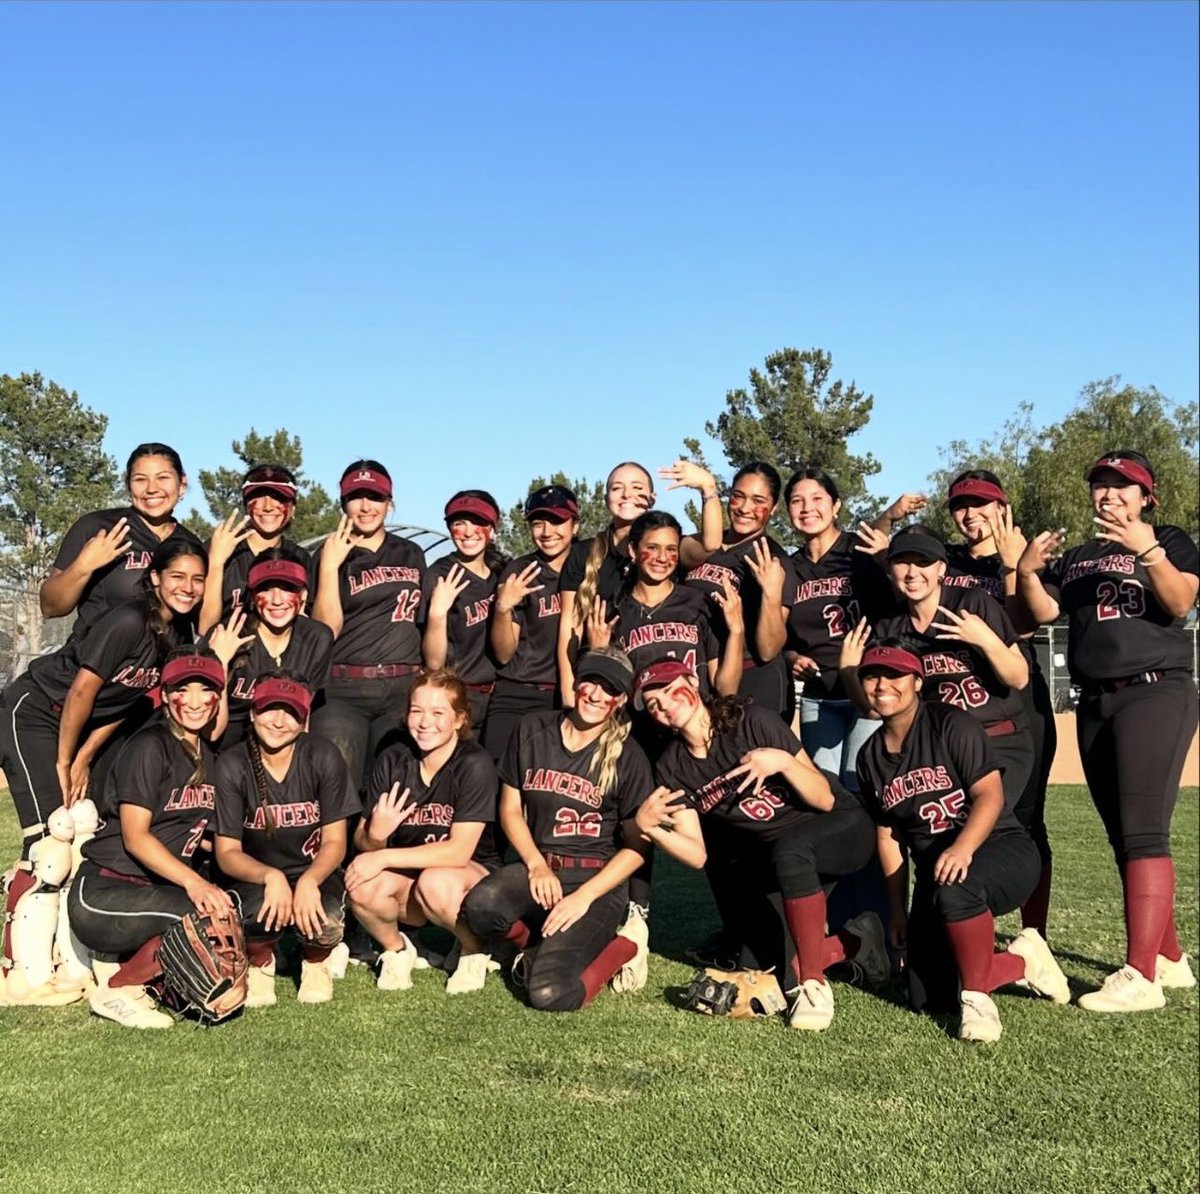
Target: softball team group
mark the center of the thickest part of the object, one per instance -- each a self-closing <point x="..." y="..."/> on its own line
<point x="852" y="741"/>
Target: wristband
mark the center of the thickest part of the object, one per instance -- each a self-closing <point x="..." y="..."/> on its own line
<point x="1142" y="555"/>
<point x="709" y="496"/>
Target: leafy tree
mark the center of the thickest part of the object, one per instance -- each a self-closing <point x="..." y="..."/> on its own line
<point x="53" y="469"/>
<point x="316" y="512"/>
<point x="1043" y="470"/>
<point x="793" y="415"/>
<point x="512" y="535"/>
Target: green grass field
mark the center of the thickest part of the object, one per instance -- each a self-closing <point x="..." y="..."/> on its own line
<point x="416" y="1091"/>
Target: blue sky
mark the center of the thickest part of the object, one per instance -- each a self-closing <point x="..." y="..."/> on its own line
<point x="483" y="241"/>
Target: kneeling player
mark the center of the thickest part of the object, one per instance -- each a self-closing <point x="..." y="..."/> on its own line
<point x="137" y="877"/>
<point x="427" y="837"/>
<point x="930" y="779"/>
<point x="283" y="798"/>
<point x="572" y="783"/>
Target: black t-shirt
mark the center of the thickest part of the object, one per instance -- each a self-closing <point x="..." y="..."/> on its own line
<point x="957" y="673"/>
<point x="1117" y="626"/>
<point x="728" y="562"/>
<point x="615" y="570"/>
<point x="308" y="654"/>
<point x="120" y="582"/>
<point x="237" y="572"/>
<point x="467" y="622"/>
<point x="712" y="791"/>
<point x="924" y="790"/>
<point x="465" y="789"/>
<point x="828" y="600"/>
<point x="381" y="604"/>
<point x="316" y="791"/>
<point x="536" y="658"/>
<point x="678" y="628"/>
<point x="566" y="812"/>
<point x="120" y="649"/>
<point x="965" y="571"/>
<point x="154" y="771"/>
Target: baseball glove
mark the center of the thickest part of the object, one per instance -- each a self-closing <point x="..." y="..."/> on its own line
<point x="204" y="967"/>
<point x="739" y="994"/>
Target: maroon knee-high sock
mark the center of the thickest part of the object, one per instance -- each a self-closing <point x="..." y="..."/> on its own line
<point x="1149" y="903"/>
<point x="315" y="953"/>
<point x="260" y="953"/>
<point x="805" y="916"/>
<point x="139" y="969"/>
<point x="840" y="947"/>
<point x="980" y="967"/>
<point x="518" y="934"/>
<point x="1170" y="947"/>
<point x="604" y="965"/>
<point x="1036" y="910"/>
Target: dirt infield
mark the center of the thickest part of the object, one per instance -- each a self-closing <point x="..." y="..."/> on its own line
<point x="1067" y="768"/>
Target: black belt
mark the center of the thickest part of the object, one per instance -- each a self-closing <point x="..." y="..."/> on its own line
<point x="1123" y="682"/>
<point x="372" y="671"/>
<point x="483" y="688"/>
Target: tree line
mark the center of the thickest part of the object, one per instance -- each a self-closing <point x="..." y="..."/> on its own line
<point x="793" y="412"/>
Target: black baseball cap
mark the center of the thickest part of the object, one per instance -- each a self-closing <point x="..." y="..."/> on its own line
<point x="611" y="666"/>
<point x="917" y="541"/>
<point x="552" y="501"/>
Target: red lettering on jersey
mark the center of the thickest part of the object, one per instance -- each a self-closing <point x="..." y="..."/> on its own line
<point x="549" y="607"/>
<point x="1122" y="565"/>
<point x="947" y="663"/>
<point x="826" y="586"/>
<point x="916" y="783"/>
<point x="660" y="632"/>
<point x="384" y="574"/>
<point x="296" y="815"/>
<point x="137" y="677"/>
<point x="191" y="796"/>
<point x="715" y="574"/>
<point x="563" y="783"/>
<point x="477" y="611"/>
<point x="137" y="561"/>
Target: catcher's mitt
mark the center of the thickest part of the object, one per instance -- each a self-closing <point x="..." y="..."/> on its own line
<point x="739" y="994"/>
<point x="204" y="967"/>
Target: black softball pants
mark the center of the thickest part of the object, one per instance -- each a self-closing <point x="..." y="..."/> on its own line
<point x="28" y="754"/>
<point x="555" y="965"/>
<point x="356" y="715"/>
<point x="510" y="702"/>
<point x="333" y="903"/>
<point x="116" y="917"/>
<point x="1133" y="744"/>
<point x="1030" y="808"/>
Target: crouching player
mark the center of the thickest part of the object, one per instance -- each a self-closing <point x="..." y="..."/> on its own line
<point x="572" y="782"/>
<point x="284" y="797"/>
<point x="427" y="838"/>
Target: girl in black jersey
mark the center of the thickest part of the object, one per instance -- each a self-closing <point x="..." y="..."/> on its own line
<point x="104" y="556"/>
<point x="55" y="719"/>
<point x="571" y="785"/>
<point x="761" y="571"/>
<point x="269" y="503"/>
<point x="459" y="591"/>
<point x="426" y="838"/>
<point x="279" y="635"/>
<point x="369" y="594"/>
<point x="987" y="560"/>
<point x="138" y="874"/>
<point x="967" y="644"/>
<point x="1126" y="594"/>
<point x="595" y="575"/>
<point x="523" y="634"/>
<point x="283" y="800"/>
<point x="838" y="582"/>
<point x="771" y="818"/>
<point x="931" y="780"/>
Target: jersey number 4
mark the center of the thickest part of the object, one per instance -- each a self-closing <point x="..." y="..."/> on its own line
<point x="944" y="814"/>
<point x="407" y="604"/>
<point x="312" y="844"/>
<point x="1126" y="599"/>
<point x="569" y="823"/>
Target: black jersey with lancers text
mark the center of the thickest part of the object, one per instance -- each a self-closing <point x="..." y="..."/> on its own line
<point x="710" y="784"/>
<point x="154" y="771"/>
<point x="536" y="659"/>
<point x="1117" y="626"/>
<point x="566" y="811"/>
<point x="678" y="628"/>
<point x="381" y="604"/>
<point x="285" y="832"/>
<point x="464" y="789"/>
<point x="923" y="791"/>
<point x="467" y="622"/>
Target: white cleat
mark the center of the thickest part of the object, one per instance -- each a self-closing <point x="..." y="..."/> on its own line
<point x="130" y="1007"/>
<point x="470" y="974"/>
<point x="1175" y="975"/>
<point x="1043" y="975"/>
<point x="1125" y="990"/>
<point x="813" y="1009"/>
<point x="980" y="1018"/>
<point x="261" y="986"/>
<point x="633" y="974"/>
<point x="316" y="983"/>
<point x="339" y="960"/>
<point x="396" y="967"/>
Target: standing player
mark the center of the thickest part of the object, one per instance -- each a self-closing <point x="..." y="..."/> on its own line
<point x="1126" y="594"/>
<point x="269" y="502"/>
<point x="279" y="635"/>
<point x="369" y="595"/>
<point x="283" y="800"/>
<point x="771" y="819"/>
<point x="838" y="582"/>
<point x="459" y="591"/>
<point x="525" y="617"/>
<point x="987" y="560"/>
<point x="55" y="719"/>
<point x="571" y="785"/>
<point x="426" y="839"/>
<point x="597" y="569"/>
<point x="138" y="874"/>
<point x="930" y="778"/>
<point x="104" y="556"/>
<point x="967" y="645"/>
<point x="760" y="570"/>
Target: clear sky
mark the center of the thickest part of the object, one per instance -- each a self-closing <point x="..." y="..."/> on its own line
<point x="484" y="241"/>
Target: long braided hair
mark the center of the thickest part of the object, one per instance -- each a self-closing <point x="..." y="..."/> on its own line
<point x="262" y="793"/>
